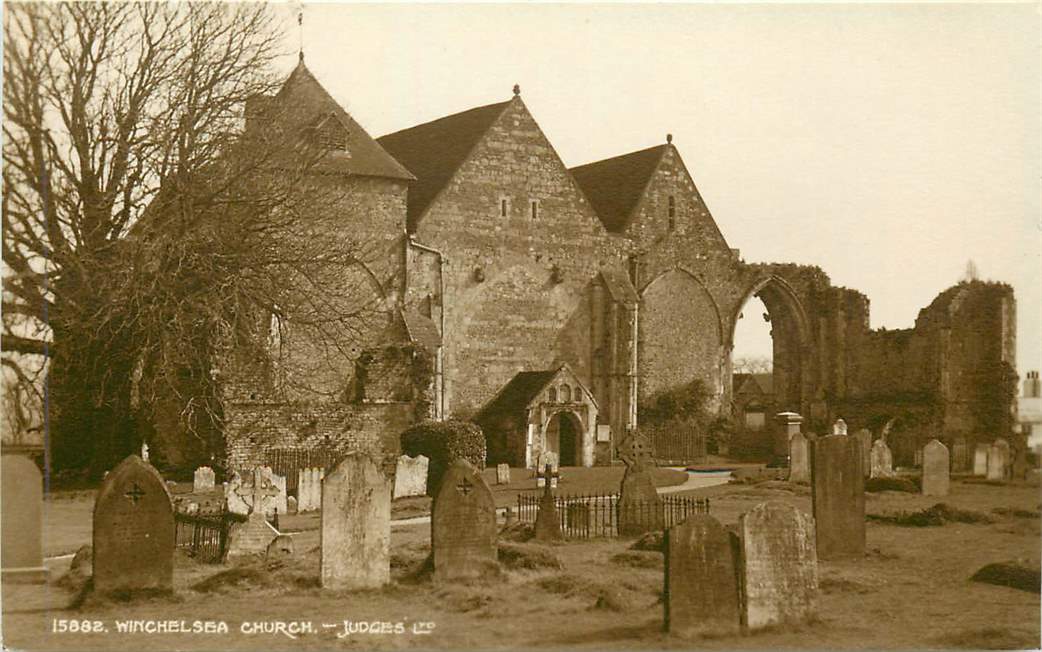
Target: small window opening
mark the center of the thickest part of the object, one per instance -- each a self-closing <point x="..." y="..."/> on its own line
<point x="535" y="208"/>
<point x="503" y="207"/>
<point x="672" y="212"/>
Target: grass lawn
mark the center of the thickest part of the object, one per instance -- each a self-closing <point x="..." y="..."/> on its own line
<point x="910" y="591"/>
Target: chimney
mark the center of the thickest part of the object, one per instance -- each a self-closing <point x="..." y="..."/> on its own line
<point x="1032" y="385"/>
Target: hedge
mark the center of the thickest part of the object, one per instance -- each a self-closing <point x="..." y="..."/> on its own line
<point x="443" y="442"/>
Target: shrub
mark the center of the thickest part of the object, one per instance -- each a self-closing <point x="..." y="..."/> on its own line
<point x="939" y="514"/>
<point x="1011" y="574"/>
<point x="444" y="442"/>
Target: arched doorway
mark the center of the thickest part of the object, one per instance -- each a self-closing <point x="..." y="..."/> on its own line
<point x="773" y="301"/>
<point x="564" y="437"/>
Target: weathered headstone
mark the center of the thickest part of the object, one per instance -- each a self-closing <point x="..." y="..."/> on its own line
<point x="133" y="539"/>
<point x="839" y="427"/>
<point x="463" y="524"/>
<point x="882" y="460"/>
<point x="980" y="459"/>
<point x="936" y="469"/>
<point x="410" y="476"/>
<point x="701" y="583"/>
<point x="309" y="489"/>
<point x="864" y="440"/>
<point x="998" y="460"/>
<point x="640" y="508"/>
<point x="356" y="525"/>
<point x="838" y="496"/>
<point x="21" y="520"/>
<point x="502" y="474"/>
<point x="547" y="519"/>
<point x="280" y="547"/>
<point x="203" y="480"/>
<point x="233" y="489"/>
<point x="291" y="505"/>
<point x="799" y="459"/>
<point x="779" y="565"/>
<point x="547" y="459"/>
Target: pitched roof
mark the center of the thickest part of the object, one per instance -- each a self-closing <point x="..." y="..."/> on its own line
<point x="762" y="381"/>
<point x="433" y="151"/>
<point x="421" y="330"/>
<point x="307" y="103"/>
<point x="615" y="185"/>
<point x="519" y="392"/>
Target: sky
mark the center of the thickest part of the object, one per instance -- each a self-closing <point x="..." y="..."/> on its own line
<point x="887" y="144"/>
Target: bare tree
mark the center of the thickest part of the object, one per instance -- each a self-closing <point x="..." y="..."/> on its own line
<point x="143" y="230"/>
<point x="752" y="365"/>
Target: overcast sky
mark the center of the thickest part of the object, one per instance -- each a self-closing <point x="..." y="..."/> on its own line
<point x="887" y="144"/>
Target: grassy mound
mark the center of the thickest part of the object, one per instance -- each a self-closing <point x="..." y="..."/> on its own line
<point x="520" y="556"/>
<point x="875" y="485"/>
<point x="1011" y="574"/>
<point x="638" y="559"/>
<point x="939" y="514"/>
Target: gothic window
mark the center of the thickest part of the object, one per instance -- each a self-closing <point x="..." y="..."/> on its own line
<point x="553" y="394"/>
<point x="672" y="212"/>
<point x="566" y="393"/>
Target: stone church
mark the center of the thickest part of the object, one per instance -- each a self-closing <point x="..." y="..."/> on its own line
<point x="550" y="301"/>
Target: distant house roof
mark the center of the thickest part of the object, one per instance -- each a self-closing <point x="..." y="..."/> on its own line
<point x="421" y="330"/>
<point x="754" y="384"/>
<point x="614" y="186"/>
<point x="305" y="101"/>
<point x="433" y="151"/>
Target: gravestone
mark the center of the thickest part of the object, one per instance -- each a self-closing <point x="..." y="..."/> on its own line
<point x="839" y="427"/>
<point x="463" y="524"/>
<point x="502" y="474"/>
<point x="280" y="547"/>
<point x="254" y="536"/>
<point x="640" y="508"/>
<point x="701" y="584"/>
<point x="291" y="505"/>
<point x="410" y="476"/>
<point x="935" y="469"/>
<point x="203" y="480"/>
<point x="547" y="458"/>
<point x="778" y="567"/>
<point x="882" y="460"/>
<point x="547" y="519"/>
<point x="278" y="501"/>
<point x="864" y="440"/>
<point x="838" y="496"/>
<point x="799" y="459"/>
<point x="21" y="521"/>
<point x="980" y="459"/>
<point x="309" y="489"/>
<point x="133" y="539"/>
<point x="998" y="460"/>
<point x="356" y="525"/>
<point x="233" y="489"/>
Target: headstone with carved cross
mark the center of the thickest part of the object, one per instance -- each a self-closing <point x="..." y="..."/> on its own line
<point x="548" y="469"/>
<point x="254" y="536"/>
<point x="548" y="519"/>
<point x="640" y="508"/>
<point x="259" y="492"/>
<point x="133" y="530"/>
<point x="463" y="525"/>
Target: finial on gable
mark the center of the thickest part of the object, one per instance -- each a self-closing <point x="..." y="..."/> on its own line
<point x="669" y="139"/>
<point x="517" y="90"/>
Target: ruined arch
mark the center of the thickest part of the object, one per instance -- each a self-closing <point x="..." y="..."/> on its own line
<point x="790" y="331"/>
<point x="680" y="335"/>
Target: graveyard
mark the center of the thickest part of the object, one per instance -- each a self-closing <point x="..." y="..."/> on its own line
<point x="336" y="582"/>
